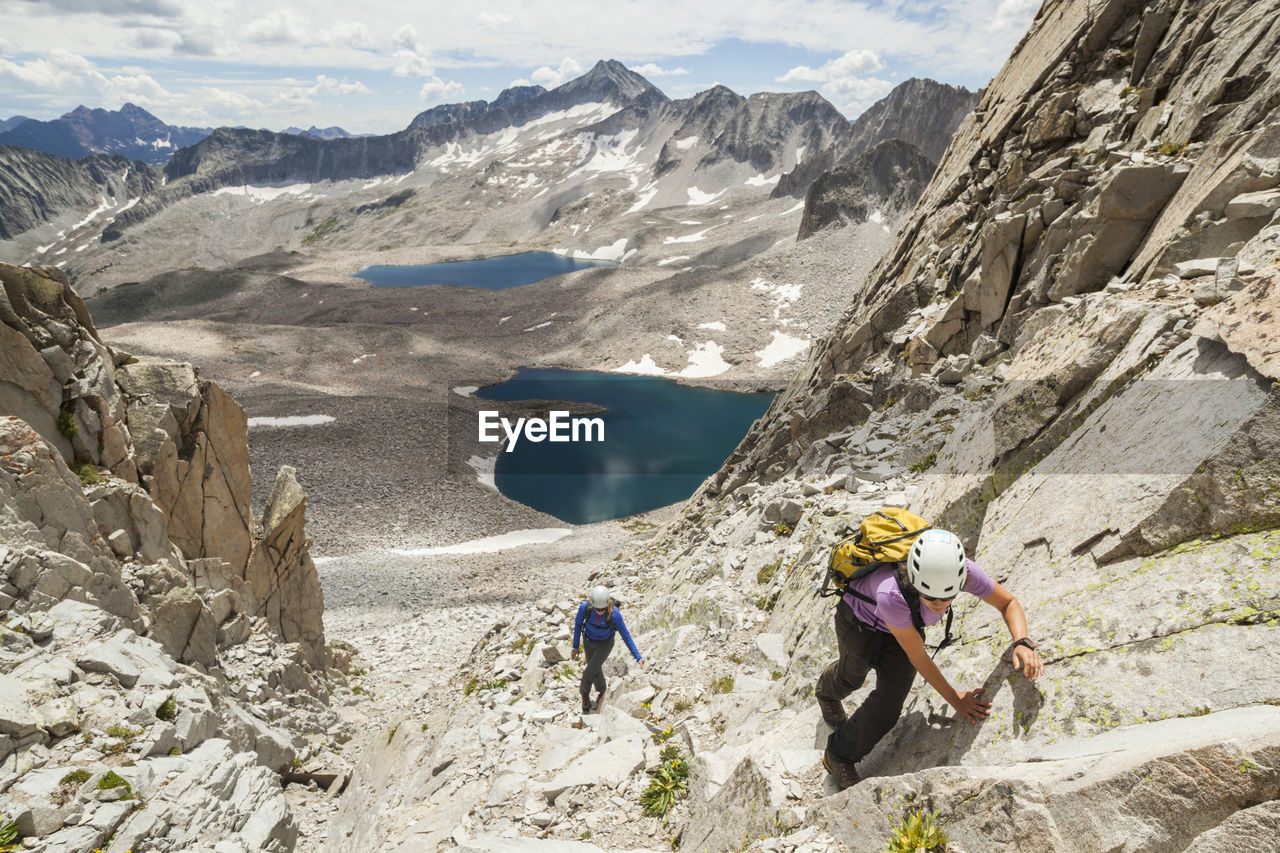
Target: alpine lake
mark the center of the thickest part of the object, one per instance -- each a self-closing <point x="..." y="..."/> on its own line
<point x="661" y="439"/>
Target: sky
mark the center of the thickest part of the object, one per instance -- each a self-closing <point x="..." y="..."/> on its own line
<point x="371" y="66"/>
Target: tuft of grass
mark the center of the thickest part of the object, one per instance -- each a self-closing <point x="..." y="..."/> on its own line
<point x="919" y="831"/>
<point x="681" y="705"/>
<point x="75" y="777"/>
<point x="722" y="685"/>
<point x="113" y="780"/>
<point x="782" y="529"/>
<point x="391" y="734"/>
<point x="87" y="473"/>
<point x="8" y="834"/>
<point x="168" y="710"/>
<point x="67" y="423"/>
<point x="1171" y="149"/>
<point x="766" y="574"/>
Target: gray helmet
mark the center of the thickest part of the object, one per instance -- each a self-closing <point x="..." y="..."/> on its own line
<point x="599" y="597"/>
<point x="936" y="566"/>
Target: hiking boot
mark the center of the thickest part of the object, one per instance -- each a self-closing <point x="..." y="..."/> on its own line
<point x="586" y="704"/>
<point x="832" y="712"/>
<point x="844" y="772"/>
<point x="599" y="703"/>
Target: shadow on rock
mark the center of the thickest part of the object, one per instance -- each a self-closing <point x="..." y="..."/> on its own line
<point x="920" y="741"/>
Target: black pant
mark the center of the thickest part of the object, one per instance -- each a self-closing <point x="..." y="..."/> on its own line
<point x="861" y="650"/>
<point x="593" y="673"/>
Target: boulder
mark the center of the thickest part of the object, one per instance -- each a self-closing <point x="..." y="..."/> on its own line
<point x="742" y="807"/>
<point x="184" y="627"/>
<point x="283" y="579"/>
<point x="609" y="765"/>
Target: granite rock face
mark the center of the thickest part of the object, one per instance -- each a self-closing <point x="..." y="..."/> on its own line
<point x="134" y="624"/>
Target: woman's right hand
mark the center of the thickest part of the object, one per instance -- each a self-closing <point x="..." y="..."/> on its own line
<point x="573" y="655"/>
<point x="972" y="706"/>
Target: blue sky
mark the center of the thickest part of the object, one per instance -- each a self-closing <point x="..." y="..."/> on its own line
<point x="370" y="67"/>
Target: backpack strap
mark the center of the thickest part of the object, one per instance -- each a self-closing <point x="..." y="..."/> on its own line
<point x="913" y="604"/>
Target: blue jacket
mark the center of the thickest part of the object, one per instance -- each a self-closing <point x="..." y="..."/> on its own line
<point x="598" y="630"/>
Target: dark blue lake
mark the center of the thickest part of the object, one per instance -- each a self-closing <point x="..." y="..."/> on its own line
<point x="488" y="273"/>
<point x="661" y="440"/>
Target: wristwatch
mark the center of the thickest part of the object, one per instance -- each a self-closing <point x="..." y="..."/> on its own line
<point x="1025" y="641"/>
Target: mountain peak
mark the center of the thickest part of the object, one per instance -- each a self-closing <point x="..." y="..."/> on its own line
<point x="610" y="77"/>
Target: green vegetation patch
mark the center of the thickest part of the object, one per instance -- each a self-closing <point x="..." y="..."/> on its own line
<point x="919" y="831"/>
<point x="668" y="784"/>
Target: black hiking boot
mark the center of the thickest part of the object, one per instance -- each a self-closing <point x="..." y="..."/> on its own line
<point x="844" y="772"/>
<point x="832" y="712"/>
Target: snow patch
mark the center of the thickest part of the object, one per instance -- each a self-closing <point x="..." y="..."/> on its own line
<point x="466" y="390"/>
<point x="665" y="261"/>
<point x="715" y="326"/>
<point x="697" y="196"/>
<point x="686" y="143"/>
<point x="761" y="181"/>
<point x="781" y="348"/>
<point x="484" y="469"/>
<point x="690" y="238"/>
<point x="260" y="193"/>
<point x="645" y="366"/>
<point x="612" y="252"/>
<point x="491" y="544"/>
<point x="876" y="216"/>
<point x="799" y="207"/>
<point x="100" y="209"/>
<point x="292" y="421"/>
<point x="539" y="326"/>
<point x="705" y="360"/>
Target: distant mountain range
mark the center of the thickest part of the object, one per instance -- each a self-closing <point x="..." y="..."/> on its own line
<point x="130" y="131"/>
<point x="8" y="123"/>
<point x="314" y="132"/>
<point x="673" y="150"/>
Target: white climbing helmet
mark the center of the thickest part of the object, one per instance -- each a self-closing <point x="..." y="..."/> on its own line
<point x="936" y="566"/>
<point x="599" y="597"/>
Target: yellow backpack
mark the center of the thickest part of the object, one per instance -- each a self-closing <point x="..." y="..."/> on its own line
<point x="885" y="536"/>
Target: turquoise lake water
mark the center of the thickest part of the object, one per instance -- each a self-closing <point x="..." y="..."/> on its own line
<point x="661" y="441"/>
<point x="489" y="273"/>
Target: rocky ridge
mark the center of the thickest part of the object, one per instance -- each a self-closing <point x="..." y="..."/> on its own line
<point x="1067" y="358"/>
<point x="161" y="644"/>
<point x="36" y="187"/>
<point x="881" y="184"/>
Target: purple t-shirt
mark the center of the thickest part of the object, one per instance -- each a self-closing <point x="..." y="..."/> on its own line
<point x="891" y="608"/>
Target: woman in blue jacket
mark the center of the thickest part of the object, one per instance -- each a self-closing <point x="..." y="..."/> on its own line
<point x="599" y="622"/>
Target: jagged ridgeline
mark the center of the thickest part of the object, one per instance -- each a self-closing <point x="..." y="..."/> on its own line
<point x="161" y="645"/>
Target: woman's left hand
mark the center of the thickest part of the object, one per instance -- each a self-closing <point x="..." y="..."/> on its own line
<point x="1028" y="661"/>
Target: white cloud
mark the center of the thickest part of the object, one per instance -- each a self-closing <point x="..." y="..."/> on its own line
<point x="350" y="34"/>
<point x="436" y="89"/>
<point x="843" y="82"/>
<point x="852" y="95"/>
<point x="552" y="77"/>
<point x="281" y="27"/>
<point x="652" y="69"/>
<point x="411" y="58"/>
<point x="493" y="20"/>
<point x="519" y="81"/>
<point x="853" y="63"/>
